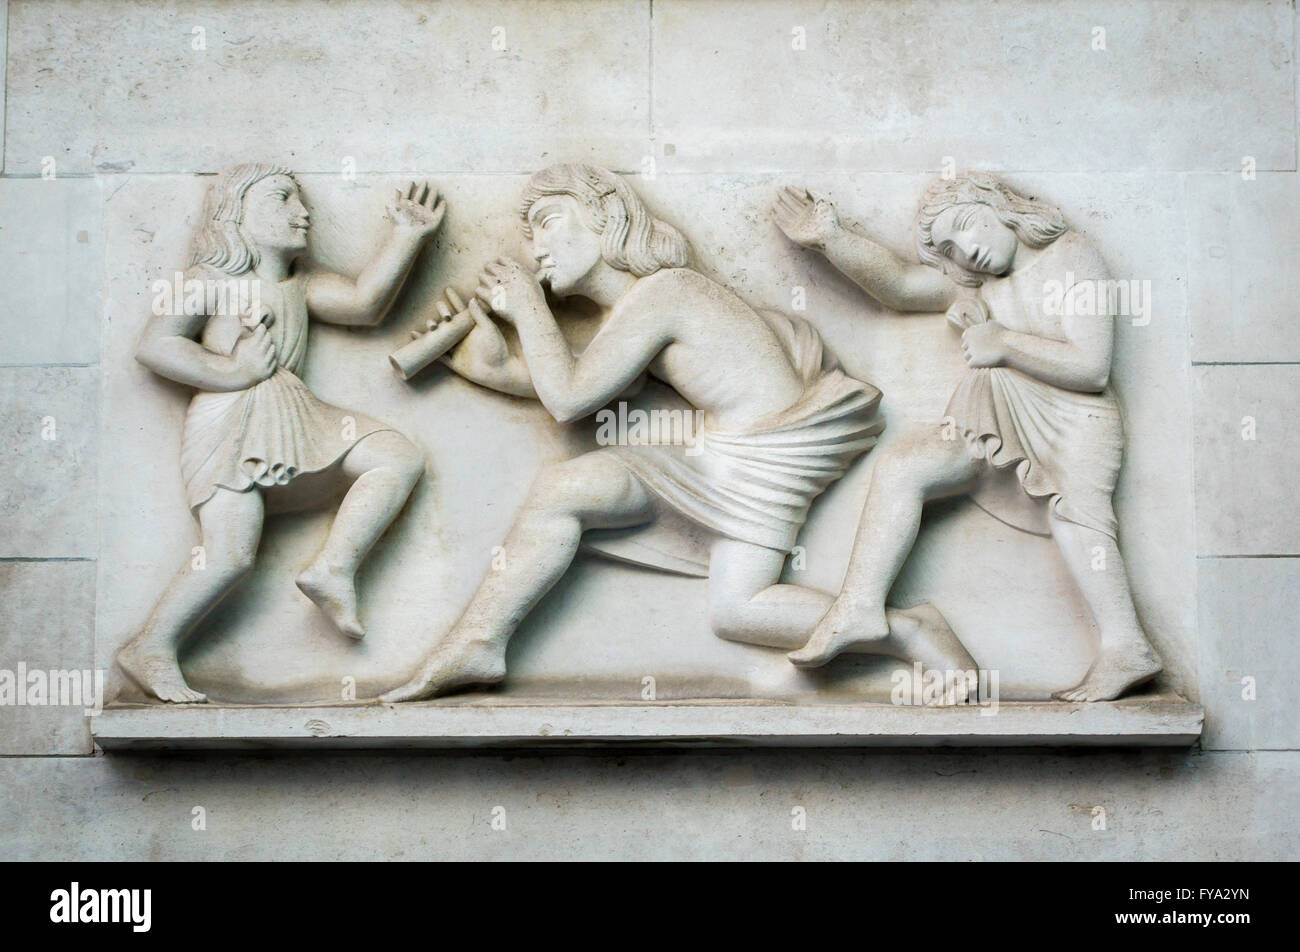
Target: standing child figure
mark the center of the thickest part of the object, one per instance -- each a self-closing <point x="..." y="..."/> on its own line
<point x="1035" y="400"/>
<point x="256" y="440"/>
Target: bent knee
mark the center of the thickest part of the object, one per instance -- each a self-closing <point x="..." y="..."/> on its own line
<point x="577" y="485"/>
<point x="392" y="451"/>
<point x="556" y="486"/>
<point x="919" y="457"/>
<point x="733" y="621"/>
<point x="402" y="453"/>
<point x="408" y="461"/>
<point x="895" y="462"/>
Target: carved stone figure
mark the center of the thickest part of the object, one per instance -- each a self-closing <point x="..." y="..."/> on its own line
<point x="1035" y="405"/>
<point x="256" y="439"/>
<point x="779" y="422"/>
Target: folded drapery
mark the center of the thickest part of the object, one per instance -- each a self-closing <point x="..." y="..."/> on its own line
<point x="756" y="485"/>
<point x="264" y="436"/>
<point x="272" y="432"/>
<point x="1066" y="447"/>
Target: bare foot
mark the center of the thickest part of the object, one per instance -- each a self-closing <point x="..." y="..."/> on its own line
<point x="1116" y="671"/>
<point x="922" y="634"/>
<point x="451" y="666"/>
<point x="844" y="628"/>
<point x="335" y="593"/>
<point x="157" y="674"/>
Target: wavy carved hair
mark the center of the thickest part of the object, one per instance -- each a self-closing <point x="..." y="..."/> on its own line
<point x="1035" y="223"/>
<point x="632" y="239"/>
<point x="219" y="241"/>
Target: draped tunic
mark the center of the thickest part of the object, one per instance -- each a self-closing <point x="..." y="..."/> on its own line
<point x="756" y="484"/>
<point x="1064" y="446"/>
<point x="274" y="431"/>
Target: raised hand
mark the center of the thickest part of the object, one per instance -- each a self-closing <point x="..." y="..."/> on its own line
<point x="509" y="289"/>
<point x="485" y="345"/>
<point x="805" y="218"/>
<point x="420" y="210"/>
<point x="254" y="356"/>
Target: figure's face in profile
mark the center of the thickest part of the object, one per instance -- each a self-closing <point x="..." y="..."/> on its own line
<point x="565" y="248"/>
<point x="973" y="236"/>
<point x="274" y="215"/>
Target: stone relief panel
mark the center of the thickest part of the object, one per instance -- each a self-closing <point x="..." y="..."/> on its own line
<point x="632" y="422"/>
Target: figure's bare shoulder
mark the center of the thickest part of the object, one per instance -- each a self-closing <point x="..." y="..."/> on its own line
<point x="202" y="288"/>
<point x="684" y="290"/>
<point x="667" y="292"/>
<point x="672" y="281"/>
<point x="1075" y="253"/>
<point x="209" y="279"/>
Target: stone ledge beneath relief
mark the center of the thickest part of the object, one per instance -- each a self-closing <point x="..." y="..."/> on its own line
<point x="475" y="721"/>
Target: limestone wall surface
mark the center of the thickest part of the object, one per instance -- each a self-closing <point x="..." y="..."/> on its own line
<point x="1165" y="131"/>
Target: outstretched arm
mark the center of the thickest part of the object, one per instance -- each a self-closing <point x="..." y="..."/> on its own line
<point x="900" y="286"/>
<point x="570" y="386"/>
<point x="336" y="299"/>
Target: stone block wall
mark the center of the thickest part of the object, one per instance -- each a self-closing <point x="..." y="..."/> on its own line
<point x="1167" y="131"/>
